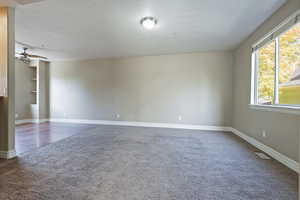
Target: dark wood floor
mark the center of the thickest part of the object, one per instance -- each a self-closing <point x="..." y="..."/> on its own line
<point x="32" y="136"/>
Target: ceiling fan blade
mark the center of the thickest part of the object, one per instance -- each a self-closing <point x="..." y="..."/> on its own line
<point x="25" y="45"/>
<point x="23" y="2"/>
<point x="36" y="56"/>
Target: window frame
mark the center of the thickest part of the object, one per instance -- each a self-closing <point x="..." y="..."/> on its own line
<point x="274" y="35"/>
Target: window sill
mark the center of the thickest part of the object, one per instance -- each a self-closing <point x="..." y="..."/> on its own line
<point x="273" y="108"/>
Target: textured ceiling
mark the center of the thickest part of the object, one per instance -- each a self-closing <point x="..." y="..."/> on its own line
<point x="77" y="29"/>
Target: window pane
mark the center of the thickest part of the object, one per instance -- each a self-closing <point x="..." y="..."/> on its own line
<point x="266" y="75"/>
<point x="289" y="72"/>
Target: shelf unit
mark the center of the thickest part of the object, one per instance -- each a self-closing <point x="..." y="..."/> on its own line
<point x="34" y="66"/>
<point x="39" y="90"/>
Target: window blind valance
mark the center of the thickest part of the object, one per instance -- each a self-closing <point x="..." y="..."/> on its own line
<point x="285" y="25"/>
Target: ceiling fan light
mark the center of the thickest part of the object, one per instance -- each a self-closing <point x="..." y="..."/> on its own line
<point x="148" y="22"/>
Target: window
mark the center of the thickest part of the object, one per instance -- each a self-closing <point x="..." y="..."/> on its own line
<point x="276" y="66"/>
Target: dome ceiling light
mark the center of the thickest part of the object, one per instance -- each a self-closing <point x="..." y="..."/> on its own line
<point x="148" y="22"/>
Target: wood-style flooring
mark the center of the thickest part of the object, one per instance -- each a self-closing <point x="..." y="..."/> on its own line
<point x="33" y="136"/>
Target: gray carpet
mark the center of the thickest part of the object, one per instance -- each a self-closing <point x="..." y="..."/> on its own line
<point x="129" y="163"/>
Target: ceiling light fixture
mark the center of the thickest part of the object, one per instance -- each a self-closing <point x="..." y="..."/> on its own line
<point x="148" y="22"/>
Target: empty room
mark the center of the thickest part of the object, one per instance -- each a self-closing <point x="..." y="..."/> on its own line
<point x="149" y="99"/>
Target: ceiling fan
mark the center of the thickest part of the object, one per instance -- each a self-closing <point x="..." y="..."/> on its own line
<point x="23" y="2"/>
<point x="15" y="3"/>
<point x="25" y="57"/>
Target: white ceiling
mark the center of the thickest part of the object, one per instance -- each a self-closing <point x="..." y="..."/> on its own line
<point x="14" y="3"/>
<point x="80" y="29"/>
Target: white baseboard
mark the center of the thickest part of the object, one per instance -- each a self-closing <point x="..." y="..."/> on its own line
<point x="8" y="154"/>
<point x="144" y="124"/>
<point x="26" y="121"/>
<point x="290" y="163"/>
<point x="23" y="121"/>
<point x="41" y="120"/>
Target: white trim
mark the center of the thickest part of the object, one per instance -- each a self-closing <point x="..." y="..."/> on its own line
<point x="26" y="121"/>
<point x="276" y="108"/>
<point x="8" y="154"/>
<point x="290" y="163"/>
<point x="277" y="65"/>
<point x="254" y="64"/>
<point x="23" y="121"/>
<point x="41" y="120"/>
<point x="144" y="124"/>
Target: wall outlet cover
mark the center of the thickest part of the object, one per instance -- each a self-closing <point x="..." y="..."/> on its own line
<point x="264" y="134"/>
<point x="262" y="155"/>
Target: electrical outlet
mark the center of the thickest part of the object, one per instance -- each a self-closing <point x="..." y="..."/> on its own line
<point x="17" y="115"/>
<point x="118" y="116"/>
<point x="179" y="117"/>
<point x="264" y="134"/>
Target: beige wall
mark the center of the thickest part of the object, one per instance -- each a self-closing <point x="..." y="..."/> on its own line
<point x="43" y="89"/>
<point x="282" y="129"/>
<point x="24" y="85"/>
<point x="81" y="90"/>
<point x="150" y="89"/>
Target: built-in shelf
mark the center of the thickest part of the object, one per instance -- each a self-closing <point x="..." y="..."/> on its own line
<point x="38" y="81"/>
<point x="35" y="66"/>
